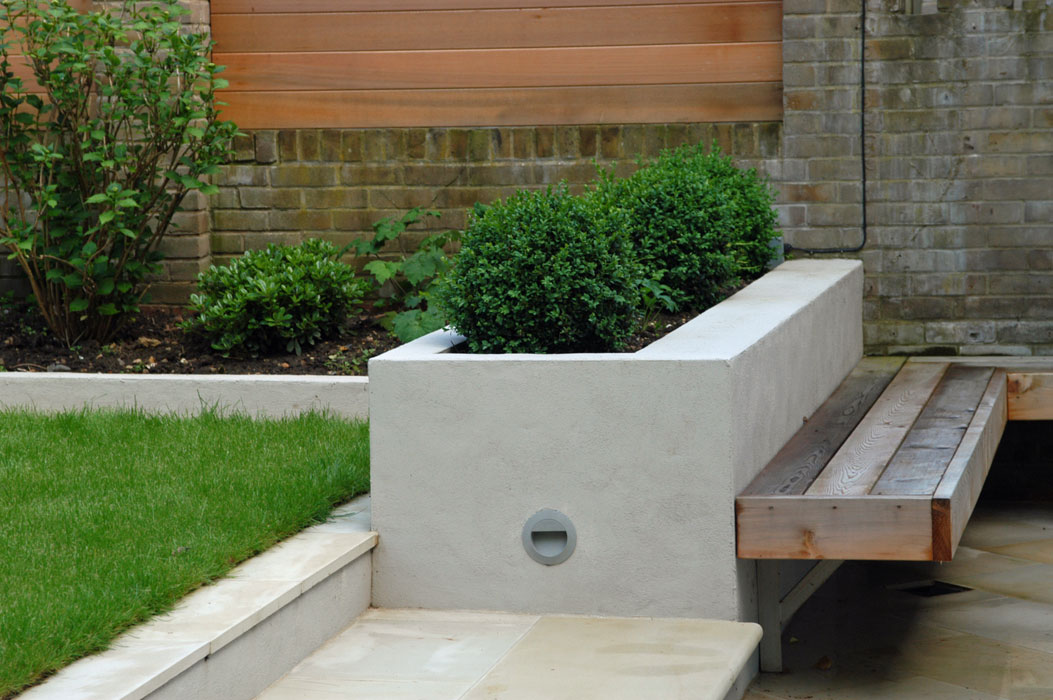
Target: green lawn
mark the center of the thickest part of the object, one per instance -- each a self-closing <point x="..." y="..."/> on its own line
<point x="107" y="517"/>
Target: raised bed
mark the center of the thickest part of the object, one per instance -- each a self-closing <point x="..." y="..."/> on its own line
<point x="643" y="452"/>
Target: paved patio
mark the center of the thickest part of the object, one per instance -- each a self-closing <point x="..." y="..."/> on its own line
<point x="862" y="636"/>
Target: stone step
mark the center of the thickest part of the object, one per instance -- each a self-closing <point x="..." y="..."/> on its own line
<point x="447" y="655"/>
<point x="230" y="640"/>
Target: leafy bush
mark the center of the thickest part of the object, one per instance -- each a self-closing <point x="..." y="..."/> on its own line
<point x="284" y="297"/>
<point x="544" y="272"/>
<point x="698" y="222"/>
<point x="410" y="277"/>
<point x="97" y="165"/>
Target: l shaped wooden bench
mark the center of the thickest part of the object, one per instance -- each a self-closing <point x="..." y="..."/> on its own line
<point x="889" y="468"/>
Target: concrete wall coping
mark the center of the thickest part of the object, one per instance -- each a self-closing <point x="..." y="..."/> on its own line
<point x="722" y="332"/>
<point x="257" y="395"/>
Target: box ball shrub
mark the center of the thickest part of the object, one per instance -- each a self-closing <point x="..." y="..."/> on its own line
<point x="699" y="221"/>
<point x="281" y="298"/>
<point x="544" y="272"/>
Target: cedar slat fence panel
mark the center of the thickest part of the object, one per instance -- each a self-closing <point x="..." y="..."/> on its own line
<point x="362" y="63"/>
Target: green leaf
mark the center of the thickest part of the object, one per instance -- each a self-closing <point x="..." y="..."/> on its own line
<point x="78" y="304"/>
<point x="107" y="310"/>
<point x="107" y="216"/>
<point x="96" y="199"/>
<point x="382" y="270"/>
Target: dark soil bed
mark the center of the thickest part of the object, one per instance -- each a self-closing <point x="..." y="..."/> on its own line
<point x="154" y="344"/>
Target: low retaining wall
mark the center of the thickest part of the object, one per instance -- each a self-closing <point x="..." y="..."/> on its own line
<point x="643" y="452"/>
<point x="263" y="395"/>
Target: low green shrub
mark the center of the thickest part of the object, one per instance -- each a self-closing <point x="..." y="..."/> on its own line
<point x="544" y="272"/>
<point x="284" y="297"/>
<point x="700" y="223"/>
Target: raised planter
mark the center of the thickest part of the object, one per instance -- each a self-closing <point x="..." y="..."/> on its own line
<point x="256" y="395"/>
<point x="643" y="452"/>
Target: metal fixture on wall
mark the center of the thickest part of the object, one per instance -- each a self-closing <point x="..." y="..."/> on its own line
<point x="549" y="537"/>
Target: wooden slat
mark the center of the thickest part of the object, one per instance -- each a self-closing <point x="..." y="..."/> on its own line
<point x="485" y="68"/>
<point x="1030" y="395"/>
<point x="834" y="527"/>
<point x="958" y="491"/>
<point x="922" y="459"/>
<point x="729" y="102"/>
<point x="863" y="457"/>
<point x="801" y="459"/>
<point x="1025" y="364"/>
<point x="481" y="29"/>
<point x="226" y="7"/>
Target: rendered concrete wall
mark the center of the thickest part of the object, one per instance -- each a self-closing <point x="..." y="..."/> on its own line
<point x="644" y="452"/>
<point x="272" y="396"/>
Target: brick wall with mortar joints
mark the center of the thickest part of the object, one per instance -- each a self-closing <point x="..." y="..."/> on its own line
<point x="288" y="185"/>
<point x="959" y="114"/>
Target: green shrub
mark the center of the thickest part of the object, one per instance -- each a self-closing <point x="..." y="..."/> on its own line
<point x="408" y="278"/>
<point x="698" y="222"/>
<point x="544" y="272"/>
<point x="96" y="165"/>
<point x="284" y="297"/>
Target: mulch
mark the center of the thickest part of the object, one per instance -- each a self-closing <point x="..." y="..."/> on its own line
<point x="153" y="343"/>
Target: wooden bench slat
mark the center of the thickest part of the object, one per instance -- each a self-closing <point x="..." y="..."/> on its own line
<point x="834" y="527"/>
<point x="922" y="459"/>
<point x="1031" y="395"/>
<point x="867" y="451"/>
<point x="801" y="459"/>
<point x="959" y="489"/>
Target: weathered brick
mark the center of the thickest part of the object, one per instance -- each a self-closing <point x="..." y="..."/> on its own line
<point x="244" y="148"/>
<point x="287" y="145"/>
<point x="196" y="246"/>
<point x="271" y="198"/>
<point x="239" y="220"/>
<point x="457" y="144"/>
<point x="266" y="143"/>
<point x="367" y="174"/>
<point x="300" y="220"/>
<point x="523" y="143"/>
<point x="610" y="137"/>
<point x="243" y="175"/>
<point x="545" y="142"/>
<point x="289" y="175"/>
<point x="416" y="143"/>
<point x="567" y="144"/>
<point x="501" y="145"/>
<point x="479" y="141"/>
<point x="334" y="198"/>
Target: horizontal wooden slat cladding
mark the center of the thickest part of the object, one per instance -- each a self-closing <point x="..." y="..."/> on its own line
<point x="396" y="63"/>
<point x="220" y="7"/>
<point x="506" y="107"/>
<point x="514" y="28"/>
<point x="621" y="65"/>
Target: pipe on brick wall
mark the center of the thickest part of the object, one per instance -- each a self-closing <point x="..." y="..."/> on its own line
<point x="862" y="145"/>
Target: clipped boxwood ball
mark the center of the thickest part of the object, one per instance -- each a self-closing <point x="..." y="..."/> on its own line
<point x="544" y="272"/>
<point x="701" y="222"/>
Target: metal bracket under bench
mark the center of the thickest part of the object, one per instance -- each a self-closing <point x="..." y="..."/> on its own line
<point x="889" y="468"/>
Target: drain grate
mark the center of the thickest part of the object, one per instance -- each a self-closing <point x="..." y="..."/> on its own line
<point x="929" y="589"/>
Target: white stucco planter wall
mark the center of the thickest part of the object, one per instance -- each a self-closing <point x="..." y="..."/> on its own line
<point x="644" y="452"/>
<point x="256" y="395"/>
